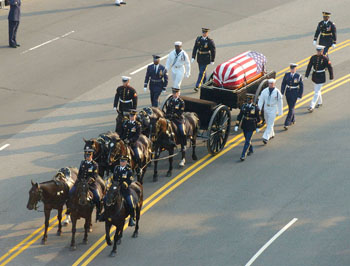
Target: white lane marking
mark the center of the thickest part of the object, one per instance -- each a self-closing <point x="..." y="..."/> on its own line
<point x="250" y="262"/>
<point x="142" y="68"/>
<point x="4" y="147"/>
<point x="49" y="41"/>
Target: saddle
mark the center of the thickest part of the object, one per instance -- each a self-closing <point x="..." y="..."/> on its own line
<point x="64" y="175"/>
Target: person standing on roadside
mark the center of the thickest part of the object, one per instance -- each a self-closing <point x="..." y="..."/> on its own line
<point x="13" y="18"/>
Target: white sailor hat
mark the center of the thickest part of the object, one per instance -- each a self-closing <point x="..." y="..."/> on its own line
<point x="178" y="43"/>
<point x="293" y="65"/>
<point x="319" y="47"/>
<point x="125" y="78"/>
<point x="271" y="81"/>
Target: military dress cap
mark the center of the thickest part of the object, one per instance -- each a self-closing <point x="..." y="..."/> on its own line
<point x="123" y="158"/>
<point x="156" y="56"/>
<point x="293" y="65"/>
<point x="326" y="14"/>
<point x="125" y="78"/>
<point x="319" y="47"/>
<point x="250" y="96"/>
<point x="205" y="29"/>
<point x="88" y="149"/>
<point x="175" y="89"/>
<point x="178" y="43"/>
<point x="271" y="81"/>
<point x="133" y="112"/>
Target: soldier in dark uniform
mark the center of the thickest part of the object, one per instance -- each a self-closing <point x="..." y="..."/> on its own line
<point x="328" y="33"/>
<point x="175" y="112"/>
<point x="249" y="118"/>
<point x="126" y="98"/>
<point x="123" y="176"/>
<point x="131" y="131"/>
<point x="13" y="18"/>
<point x="157" y="76"/>
<point x="319" y="62"/>
<point x="88" y="170"/>
<point x="293" y="86"/>
<point x="204" y="48"/>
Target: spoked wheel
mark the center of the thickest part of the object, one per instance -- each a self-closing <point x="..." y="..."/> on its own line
<point x="219" y="129"/>
<point x="164" y="104"/>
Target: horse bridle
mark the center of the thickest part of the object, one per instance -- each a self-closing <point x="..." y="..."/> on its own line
<point x="114" y="200"/>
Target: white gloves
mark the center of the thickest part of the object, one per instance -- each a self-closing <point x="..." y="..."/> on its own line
<point x="315" y="43"/>
<point x="298" y="99"/>
<point x="236" y="128"/>
<point x="188" y="75"/>
<point x="212" y="63"/>
<point x="333" y="45"/>
<point x="115" y="108"/>
<point x="257" y="130"/>
<point x="145" y="89"/>
<point x="192" y="60"/>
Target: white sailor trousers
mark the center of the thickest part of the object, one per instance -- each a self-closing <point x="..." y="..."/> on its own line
<point x="177" y="74"/>
<point x="317" y="95"/>
<point x="269" y="115"/>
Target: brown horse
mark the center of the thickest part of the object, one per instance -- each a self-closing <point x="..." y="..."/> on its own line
<point x="53" y="194"/>
<point x="119" y="148"/>
<point x="116" y="212"/>
<point x="148" y="118"/>
<point x="167" y="138"/>
<point x="81" y="206"/>
<point x="100" y="146"/>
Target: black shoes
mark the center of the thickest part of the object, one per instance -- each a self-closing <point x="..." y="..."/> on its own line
<point x="310" y="109"/>
<point x="249" y="153"/>
<point x="265" y="141"/>
<point x="242" y="159"/>
<point x="319" y="105"/>
<point x="285" y="127"/>
<point x="196" y="89"/>
<point x="13" y="46"/>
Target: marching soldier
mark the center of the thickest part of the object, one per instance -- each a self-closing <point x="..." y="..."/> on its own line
<point x="328" y="33"/>
<point x="249" y="118"/>
<point x="131" y="131"/>
<point x="204" y="48"/>
<point x="319" y="62"/>
<point x="293" y="86"/>
<point x="271" y="99"/>
<point x="14" y="18"/>
<point x="157" y="76"/>
<point x="126" y="98"/>
<point x="179" y="64"/>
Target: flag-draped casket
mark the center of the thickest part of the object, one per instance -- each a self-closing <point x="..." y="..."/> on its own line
<point x="240" y="70"/>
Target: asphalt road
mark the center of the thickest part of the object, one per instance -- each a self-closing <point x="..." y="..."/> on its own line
<point x="53" y="96"/>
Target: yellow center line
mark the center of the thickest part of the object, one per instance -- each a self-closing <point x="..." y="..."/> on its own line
<point x="240" y="140"/>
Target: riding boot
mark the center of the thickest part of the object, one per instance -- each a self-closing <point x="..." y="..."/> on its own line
<point x="132" y="217"/>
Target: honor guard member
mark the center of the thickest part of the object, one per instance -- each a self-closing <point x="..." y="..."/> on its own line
<point x="204" y="48"/>
<point x="271" y="99"/>
<point x="123" y="176"/>
<point x="179" y="65"/>
<point x="88" y="170"/>
<point x="293" y="86"/>
<point x="157" y="76"/>
<point x="126" y="99"/>
<point x="249" y="118"/>
<point x="131" y="131"/>
<point x="13" y="18"/>
<point x="319" y="62"/>
<point x="328" y="33"/>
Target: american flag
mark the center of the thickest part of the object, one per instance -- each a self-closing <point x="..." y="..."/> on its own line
<point x="234" y="72"/>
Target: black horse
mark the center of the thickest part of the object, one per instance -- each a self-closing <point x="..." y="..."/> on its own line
<point x="148" y="118"/>
<point x="116" y="212"/>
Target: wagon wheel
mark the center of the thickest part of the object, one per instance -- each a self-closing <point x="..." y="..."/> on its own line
<point x="165" y="102"/>
<point x="219" y="129"/>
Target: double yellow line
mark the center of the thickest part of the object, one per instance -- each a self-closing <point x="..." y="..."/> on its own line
<point x="171" y="185"/>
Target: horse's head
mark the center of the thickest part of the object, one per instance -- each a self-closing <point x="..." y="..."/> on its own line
<point x="113" y="194"/>
<point x="116" y="149"/>
<point x="35" y="195"/>
<point x="164" y="134"/>
<point x="144" y="118"/>
<point x="82" y="192"/>
<point x="161" y="127"/>
<point x="93" y="144"/>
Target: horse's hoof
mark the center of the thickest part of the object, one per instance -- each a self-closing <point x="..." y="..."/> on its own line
<point x="168" y="174"/>
<point x="109" y="242"/>
<point x="113" y="254"/>
<point x="43" y="241"/>
<point x="135" y="234"/>
<point x="58" y="233"/>
<point x="119" y="241"/>
<point x="85" y="241"/>
<point x="194" y="157"/>
<point x="73" y="248"/>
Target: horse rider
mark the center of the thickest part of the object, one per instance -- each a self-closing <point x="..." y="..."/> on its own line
<point x="157" y="77"/>
<point x="249" y="118"/>
<point x="179" y="64"/>
<point x="131" y="132"/>
<point x="271" y="99"/>
<point x="175" y="108"/>
<point x="204" y="48"/>
<point x="319" y="62"/>
<point x="293" y="86"/>
<point x="126" y="99"/>
<point x="328" y="33"/>
<point x="88" y="170"/>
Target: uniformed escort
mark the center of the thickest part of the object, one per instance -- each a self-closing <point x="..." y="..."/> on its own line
<point x="126" y="98"/>
<point x="123" y="176"/>
<point x="319" y="62"/>
<point x="249" y="118"/>
<point x="88" y="170"/>
<point x="293" y="86"/>
<point x="175" y="112"/>
<point x="157" y="77"/>
<point x="328" y="33"/>
<point x="131" y="131"/>
<point x="204" y="48"/>
<point x="13" y="18"/>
